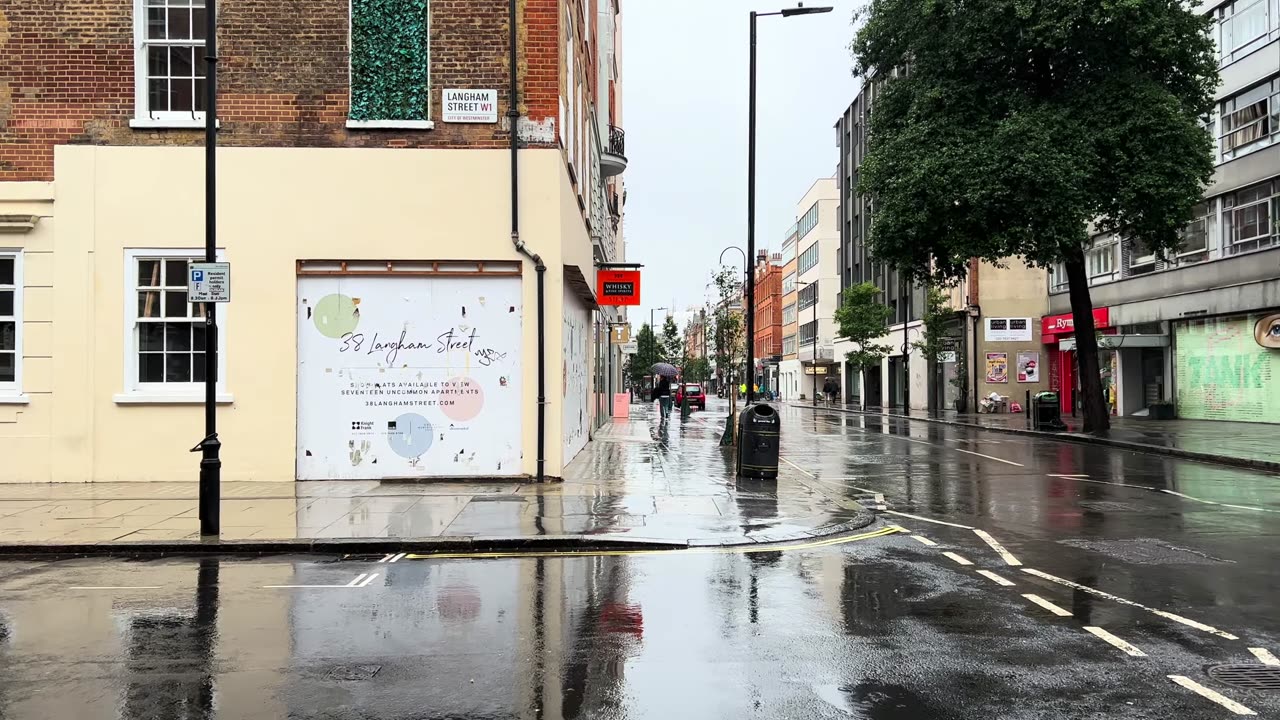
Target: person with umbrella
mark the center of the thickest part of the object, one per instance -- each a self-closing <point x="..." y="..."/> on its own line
<point x="662" y="390"/>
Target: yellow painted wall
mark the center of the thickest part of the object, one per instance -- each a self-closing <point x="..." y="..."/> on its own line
<point x="276" y="206"/>
<point x="1012" y="291"/>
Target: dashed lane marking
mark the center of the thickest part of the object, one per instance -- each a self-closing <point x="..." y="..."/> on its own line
<point x="924" y="540"/>
<point x="114" y="587"/>
<point x="1115" y="641"/>
<point x="362" y="580"/>
<point x="958" y="558"/>
<point x="1006" y="462"/>
<point x="1005" y="555"/>
<point x="931" y="520"/>
<point x="1051" y="607"/>
<point x="1167" y="615"/>
<point x="1213" y="695"/>
<point x="995" y="578"/>
<point x="733" y="549"/>
<point x="1264" y="656"/>
<point x="1163" y="491"/>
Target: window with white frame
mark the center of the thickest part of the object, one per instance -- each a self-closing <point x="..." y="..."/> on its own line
<point x="789" y="314"/>
<point x="1249" y="120"/>
<point x="789" y="284"/>
<point x="1197" y="235"/>
<point x="390" y="64"/>
<point x="1058" y="278"/>
<point x="1100" y="259"/>
<point x="789" y="345"/>
<point x="1243" y="27"/>
<point x="808" y="259"/>
<point x="167" y="334"/>
<point x="169" y="64"/>
<point x="1248" y="218"/>
<point x="10" y="323"/>
<point x="1141" y="260"/>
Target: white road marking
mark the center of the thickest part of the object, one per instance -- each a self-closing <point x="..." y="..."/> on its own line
<point x="938" y="522"/>
<point x="397" y="558"/>
<point x="995" y="578"/>
<point x="924" y="540"/>
<point x="1264" y="656"/>
<point x="368" y="580"/>
<point x="806" y="472"/>
<point x="880" y="502"/>
<point x="1085" y="478"/>
<point x="1117" y="642"/>
<point x="1006" y="462"/>
<point x="1051" y="607"/>
<point x="362" y="580"/>
<point x="1215" y="696"/>
<point x="958" y="558"/>
<point x="386" y="558"/>
<point x="115" y="587"/>
<point x="1167" y="615"/>
<point x="356" y="582"/>
<point x="1007" y="556"/>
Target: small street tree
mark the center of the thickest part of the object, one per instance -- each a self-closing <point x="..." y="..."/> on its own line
<point x="730" y="342"/>
<point x="647" y="354"/>
<point x="937" y="322"/>
<point x="1003" y="129"/>
<point x="863" y="318"/>
<point x="672" y="344"/>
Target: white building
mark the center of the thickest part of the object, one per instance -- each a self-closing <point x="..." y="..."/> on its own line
<point x="817" y="283"/>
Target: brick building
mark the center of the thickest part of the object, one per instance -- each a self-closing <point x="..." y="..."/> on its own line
<point x="768" y="328"/>
<point x="385" y="266"/>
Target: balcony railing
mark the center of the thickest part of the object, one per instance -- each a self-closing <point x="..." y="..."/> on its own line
<point x="614" y="160"/>
<point x="617" y="141"/>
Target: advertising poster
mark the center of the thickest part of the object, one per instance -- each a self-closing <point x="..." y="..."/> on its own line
<point x="1028" y="367"/>
<point x="997" y="367"/>
<point x="408" y="377"/>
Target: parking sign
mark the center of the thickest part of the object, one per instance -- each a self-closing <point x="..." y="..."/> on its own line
<point x="209" y="282"/>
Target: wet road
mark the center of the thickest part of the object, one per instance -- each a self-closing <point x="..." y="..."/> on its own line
<point x="1032" y="580"/>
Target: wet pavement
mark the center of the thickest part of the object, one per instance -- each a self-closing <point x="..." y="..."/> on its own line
<point x="1212" y="438"/>
<point x="638" y="480"/>
<point x="1030" y="579"/>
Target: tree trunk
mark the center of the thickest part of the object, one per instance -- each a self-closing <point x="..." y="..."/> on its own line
<point x="1097" y="417"/>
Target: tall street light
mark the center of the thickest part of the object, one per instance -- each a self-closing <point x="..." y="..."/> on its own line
<point x="751" y="186"/>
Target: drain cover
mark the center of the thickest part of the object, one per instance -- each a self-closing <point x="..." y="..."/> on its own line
<point x="354" y="672"/>
<point x="1250" y="677"/>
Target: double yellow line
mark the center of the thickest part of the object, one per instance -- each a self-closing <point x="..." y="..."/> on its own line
<point x="734" y="549"/>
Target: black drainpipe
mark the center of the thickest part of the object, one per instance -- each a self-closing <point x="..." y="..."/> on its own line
<point x="513" y="114"/>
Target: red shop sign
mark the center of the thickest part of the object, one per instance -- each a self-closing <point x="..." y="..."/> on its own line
<point x="1053" y="325"/>
<point x="618" y="287"/>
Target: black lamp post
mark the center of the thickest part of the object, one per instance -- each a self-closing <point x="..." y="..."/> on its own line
<point x="751" y="186"/>
<point x="210" y="464"/>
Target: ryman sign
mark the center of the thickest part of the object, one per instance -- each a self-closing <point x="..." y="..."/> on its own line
<point x="470" y="106"/>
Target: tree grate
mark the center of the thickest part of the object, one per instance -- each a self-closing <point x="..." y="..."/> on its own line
<point x="1250" y="677"/>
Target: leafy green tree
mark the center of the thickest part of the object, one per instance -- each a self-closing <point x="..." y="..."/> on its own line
<point x="863" y="318"/>
<point x="696" y="369"/>
<point x="647" y="354"/>
<point x="1002" y="128"/>
<point x="672" y="347"/>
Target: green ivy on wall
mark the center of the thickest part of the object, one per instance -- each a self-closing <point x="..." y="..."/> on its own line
<point x="389" y="68"/>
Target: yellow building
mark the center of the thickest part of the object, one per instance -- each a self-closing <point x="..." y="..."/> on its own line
<point x="382" y="322"/>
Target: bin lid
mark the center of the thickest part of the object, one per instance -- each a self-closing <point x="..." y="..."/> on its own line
<point x="1047" y="395"/>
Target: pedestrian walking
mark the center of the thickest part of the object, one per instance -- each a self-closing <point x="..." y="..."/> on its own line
<point x="830" y="389"/>
<point x="662" y="391"/>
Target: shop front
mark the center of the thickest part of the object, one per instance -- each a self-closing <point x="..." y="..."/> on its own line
<point x="1057" y="332"/>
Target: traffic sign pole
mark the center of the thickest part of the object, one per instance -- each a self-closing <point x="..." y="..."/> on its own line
<point x="210" y="447"/>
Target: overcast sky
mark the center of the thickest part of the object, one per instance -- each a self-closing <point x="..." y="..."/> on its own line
<point x="685" y="115"/>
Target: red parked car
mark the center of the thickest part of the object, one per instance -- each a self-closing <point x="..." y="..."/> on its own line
<point x="697" y="398"/>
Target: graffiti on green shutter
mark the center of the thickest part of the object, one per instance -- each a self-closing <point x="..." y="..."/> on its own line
<point x="1223" y="373"/>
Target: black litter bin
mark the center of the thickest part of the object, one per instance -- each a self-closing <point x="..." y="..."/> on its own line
<point x="1045" y="413"/>
<point x="758" y="433"/>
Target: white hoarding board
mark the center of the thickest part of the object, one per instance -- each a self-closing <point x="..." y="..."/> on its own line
<point x="470" y="106"/>
<point x="209" y="282"/>
<point x="408" y="377"/>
